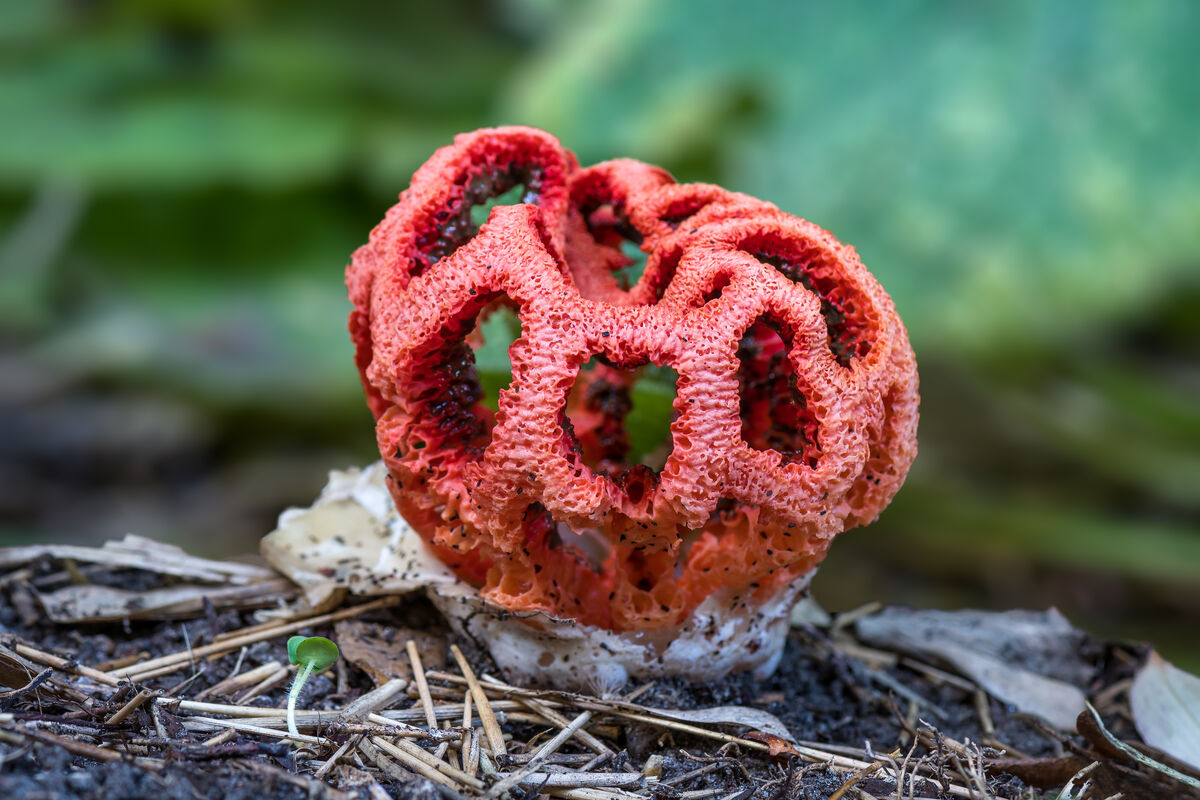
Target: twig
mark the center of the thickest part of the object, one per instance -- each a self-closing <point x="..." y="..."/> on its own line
<point x="1138" y="756"/>
<point x="124" y="711"/>
<point x="543" y="709"/>
<point x="486" y="717"/>
<point x="62" y="664"/>
<point x="79" y="748"/>
<point x="470" y="761"/>
<point x="268" y="683"/>
<point x="418" y="670"/>
<point x="853" y="779"/>
<point x="337" y="754"/>
<point x="32" y="685"/>
<point x="123" y="661"/>
<point x="256" y="729"/>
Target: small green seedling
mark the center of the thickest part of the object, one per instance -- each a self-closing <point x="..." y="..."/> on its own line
<point x="311" y="654"/>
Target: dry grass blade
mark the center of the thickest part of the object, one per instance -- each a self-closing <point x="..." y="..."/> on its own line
<point x="372" y="701"/>
<point x="486" y="717"/>
<point x="229" y="645"/>
<point x="566" y="780"/>
<point x="469" y="748"/>
<point x="544" y="709"/>
<point x="600" y="794"/>
<point x="429" y="766"/>
<point x="258" y="730"/>
<point x="385" y="764"/>
<point x="268" y="683"/>
<point x="540" y="757"/>
<point x="422" y="686"/>
<point x="236" y="683"/>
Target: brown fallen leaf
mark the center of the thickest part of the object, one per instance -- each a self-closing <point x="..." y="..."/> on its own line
<point x="378" y="650"/>
<point x="1114" y="771"/>
<point x="754" y="718"/>
<point x="1041" y="773"/>
<point x="778" y="745"/>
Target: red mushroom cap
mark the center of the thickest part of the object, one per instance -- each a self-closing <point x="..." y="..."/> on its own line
<point x="796" y="398"/>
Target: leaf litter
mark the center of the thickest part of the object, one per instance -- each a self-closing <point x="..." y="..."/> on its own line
<point x="190" y="698"/>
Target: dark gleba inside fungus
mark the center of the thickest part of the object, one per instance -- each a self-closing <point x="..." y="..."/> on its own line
<point x="795" y="406"/>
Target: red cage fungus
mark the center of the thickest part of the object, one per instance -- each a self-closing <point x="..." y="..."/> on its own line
<point x="796" y="399"/>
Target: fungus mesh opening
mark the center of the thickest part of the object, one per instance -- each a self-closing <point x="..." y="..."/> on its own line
<point x="682" y="210"/>
<point x="515" y="195"/>
<point x="717" y="288"/>
<point x="629" y="275"/>
<point x="631" y="264"/>
<point x="452" y="227"/>
<point x="620" y="419"/>
<point x="664" y="272"/>
<point x="774" y="411"/>
<point x="609" y="226"/>
<point x="841" y="306"/>
<point x="497" y="328"/>
<point x="450" y="387"/>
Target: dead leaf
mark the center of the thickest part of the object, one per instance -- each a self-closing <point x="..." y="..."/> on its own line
<point x="15" y="671"/>
<point x="95" y="603"/>
<point x="778" y="747"/>
<point x="136" y="552"/>
<point x="1011" y="654"/>
<point x="754" y="718"/>
<point x="808" y="612"/>
<point x="1042" y="773"/>
<point x="353" y="540"/>
<point x="378" y="650"/>
<point x="1165" y="702"/>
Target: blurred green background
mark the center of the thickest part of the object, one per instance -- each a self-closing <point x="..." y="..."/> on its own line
<point x="182" y="182"/>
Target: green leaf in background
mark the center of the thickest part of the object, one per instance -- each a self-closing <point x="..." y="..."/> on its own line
<point x="1012" y="172"/>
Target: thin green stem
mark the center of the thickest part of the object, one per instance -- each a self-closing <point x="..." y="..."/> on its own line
<point x="297" y="684"/>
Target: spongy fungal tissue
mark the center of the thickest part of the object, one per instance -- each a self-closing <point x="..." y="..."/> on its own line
<point x="795" y="405"/>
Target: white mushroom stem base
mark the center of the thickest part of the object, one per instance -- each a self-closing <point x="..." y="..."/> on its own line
<point x="352" y="540"/>
<point x="541" y="649"/>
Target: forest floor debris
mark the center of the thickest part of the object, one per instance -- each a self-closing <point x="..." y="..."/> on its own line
<point x="188" y="698"/>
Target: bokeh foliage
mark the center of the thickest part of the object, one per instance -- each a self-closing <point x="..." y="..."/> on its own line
<point x="182" y="182"/>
